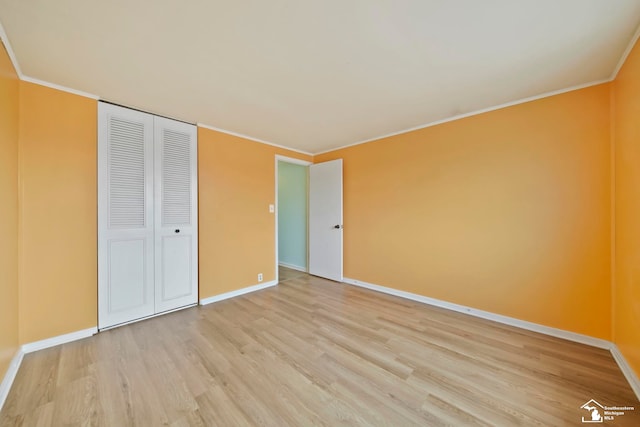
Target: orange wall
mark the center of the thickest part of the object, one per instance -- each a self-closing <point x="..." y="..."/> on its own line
<point x="236" y="179"/>
<point x="9" y="101"/>
<point x="58" y="256"/>
<point x="507" y="211"/>
<point x="626" y="309"/>
<point x="58" y="185"/>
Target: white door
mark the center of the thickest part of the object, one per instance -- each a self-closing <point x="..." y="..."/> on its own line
<point x="176" y="208"/>
<point x="125" y="215"/>
<point x="147" y="215"/>
<point x="325" y="219"/>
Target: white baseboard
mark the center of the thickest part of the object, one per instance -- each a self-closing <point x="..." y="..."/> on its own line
<point x="60" y="339"/>
<point x="238" y="292"/>
<point x="293" y="266"/>
<point x="12" y="371"/>
<point x="626" y="369"/>
<point x="10" y="376"/>
<point x="530" y="326"/>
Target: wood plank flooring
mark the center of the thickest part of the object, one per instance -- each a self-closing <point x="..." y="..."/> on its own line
<point x="315" y="352"/>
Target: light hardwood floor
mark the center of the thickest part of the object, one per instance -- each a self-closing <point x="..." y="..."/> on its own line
<point x="315" y="352"/>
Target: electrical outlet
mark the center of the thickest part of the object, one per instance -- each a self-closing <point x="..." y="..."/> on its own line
<point x="259" y="277"/>
<point x="272" y="208"/>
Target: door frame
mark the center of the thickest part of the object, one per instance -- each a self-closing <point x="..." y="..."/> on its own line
<point x="280" y="158"/>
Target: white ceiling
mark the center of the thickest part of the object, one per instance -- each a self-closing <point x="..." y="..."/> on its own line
<point x="315" y="75"/>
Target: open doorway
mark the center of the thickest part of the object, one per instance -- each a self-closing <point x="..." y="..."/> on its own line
<point x="292" y="204"/>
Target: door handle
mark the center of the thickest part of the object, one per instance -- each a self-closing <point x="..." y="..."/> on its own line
<point x="338" y="226"/>
<point x="177" y="230"/>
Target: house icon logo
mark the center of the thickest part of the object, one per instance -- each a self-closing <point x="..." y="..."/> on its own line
<point x="595" y="412"/>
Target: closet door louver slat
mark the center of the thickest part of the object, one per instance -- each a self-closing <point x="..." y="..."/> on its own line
<point x="126" y="174"/>
<point x="176" y="178"/>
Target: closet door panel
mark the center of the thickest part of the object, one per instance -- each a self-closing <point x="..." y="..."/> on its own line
<point x="176" y="196"/>
<point x="125" y="215"/>
<point x="176" y="267"/>
<point x="127" y="260"/>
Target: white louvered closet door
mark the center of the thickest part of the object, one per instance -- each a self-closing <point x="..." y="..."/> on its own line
<point x="147" y="215"/>
<point x="125" y="215"/>
<point x="176" y="198"/>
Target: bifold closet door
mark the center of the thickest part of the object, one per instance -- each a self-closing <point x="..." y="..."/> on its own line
<point x="147" y="215"/>
<point x="176" y="208"/>
<point x="125" y="215"/>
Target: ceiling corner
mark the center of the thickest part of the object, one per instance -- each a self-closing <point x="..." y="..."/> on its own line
<point x="12" y="56"/>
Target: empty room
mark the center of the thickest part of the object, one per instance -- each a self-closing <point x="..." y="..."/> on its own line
<point x="292" y="213"/>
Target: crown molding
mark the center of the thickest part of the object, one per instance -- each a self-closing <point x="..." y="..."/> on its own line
<point x="21" y="76"/>
<point x="625" y="55"/>
<point x="250" y="138"/>
<point x="472" y="113"/>
<point x="59" y="87"/>
<point x="12" y="56"/>
<point x="614" y="74"/>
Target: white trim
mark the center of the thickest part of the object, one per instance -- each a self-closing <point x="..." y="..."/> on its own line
<point x="153" y="113"/>
<point x="238" y="292"/>
<point x="250" y="138"/>
<point x="624" y="366"/>
<point x="280" y="158"/>
<point x="59" y="87"/>
<point x="530" y="326"/>
<point x="626" y="53"/>
<point x="12" y="371"/>
<point x="292" y="266"/>
<point x="293" y="160"/>
<point x="10" y="376"/>
<point x="140" y="319"/>
<point x="12" y="56"/>
<point x="626" y="369"/>
<point x="613" y="76"/>
<point x="60" y="339"/>
<point x="473" y="113"/>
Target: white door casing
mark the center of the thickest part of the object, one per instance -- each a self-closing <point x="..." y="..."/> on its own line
<point x="125" y="215"/>
<point x="325" y="220"/>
